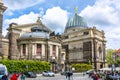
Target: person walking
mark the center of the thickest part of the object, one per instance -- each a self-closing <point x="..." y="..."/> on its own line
<point x="23" y="77"/>
<point x="68" y="74"/>
<point x="4" y="77"/>
<point x="14" y="77"/>
<point x="95" y="77"/>
<point x="103" y="76"/>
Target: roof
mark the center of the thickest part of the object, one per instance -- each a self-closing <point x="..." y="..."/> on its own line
<point x="35" y="35"/>
<point x="36" y="32"/>
<point x="117" y="51"/>
<point x="76" y="21"/>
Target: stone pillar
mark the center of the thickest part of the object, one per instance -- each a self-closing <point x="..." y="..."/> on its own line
<point x="34" y="51"/>
<point x="104" y="50"/>
<point x="2" y="9"/>
<point x="13" y="46"/>
<point x="47" y="51"/>
<point x="30" y="50"/>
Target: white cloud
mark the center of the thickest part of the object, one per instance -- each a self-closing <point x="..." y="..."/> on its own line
<point x="56" y="19"/>
<point x="24" y="19"/>
<point x="105" y="14"/>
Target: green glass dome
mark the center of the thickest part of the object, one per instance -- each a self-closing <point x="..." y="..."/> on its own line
<point x="76" y="21"/>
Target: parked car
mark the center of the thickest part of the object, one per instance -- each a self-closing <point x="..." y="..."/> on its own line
<point x="48" y="73"/>
<point x="3" y="70"/>
<point x="90" y="71"/>
<point x="64" y="72"/>
<point x="30" y="74"/>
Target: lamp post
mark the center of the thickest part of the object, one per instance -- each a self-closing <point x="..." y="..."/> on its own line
<point x="27" y="67"/>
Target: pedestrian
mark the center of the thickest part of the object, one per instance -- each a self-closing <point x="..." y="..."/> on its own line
<point x="66" y="74"/>
<point x="83" y="74"/>
<point x="103" y="77"/>
<point x="97" y="77"/>
<point x="69" y="74"/>
<point x="4" y="77"/>
<point x="94" y="77"/>
<point x="23" y="77"/>
<point x="14" y="77"/>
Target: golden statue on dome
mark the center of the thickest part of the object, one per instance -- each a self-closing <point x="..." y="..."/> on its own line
<point x="76" y="9"/>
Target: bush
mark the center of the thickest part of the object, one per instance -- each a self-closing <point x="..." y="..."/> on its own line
<point x="26" y="65"/>
<point x="81" y="67"/>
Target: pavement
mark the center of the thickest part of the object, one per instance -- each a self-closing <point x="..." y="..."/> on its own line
<point x="76" y="76"/>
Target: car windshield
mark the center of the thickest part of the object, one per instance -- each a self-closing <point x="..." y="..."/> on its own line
<point x="89" y="70"/>
<point x="2" y="72"/>
<point x="30" y="73"/>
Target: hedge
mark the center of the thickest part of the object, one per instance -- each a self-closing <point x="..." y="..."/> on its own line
<point x="81" y="67"/>
<point x="26" y="65"/>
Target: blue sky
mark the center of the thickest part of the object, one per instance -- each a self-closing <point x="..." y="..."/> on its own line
<point x="104" y="14"/>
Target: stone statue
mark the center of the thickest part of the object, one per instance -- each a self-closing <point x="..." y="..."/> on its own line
<point x="0" y="1"/>
<point x="76" y="9"/>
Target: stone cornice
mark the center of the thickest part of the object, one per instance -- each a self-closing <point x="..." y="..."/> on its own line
<point x="19" y="27"/>
<point x="82" y="30"/>
<point x="90" y="38"/>
<point x="32" y="39"/>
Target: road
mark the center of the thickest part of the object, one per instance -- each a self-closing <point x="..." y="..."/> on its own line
<point x="76" y="76"/>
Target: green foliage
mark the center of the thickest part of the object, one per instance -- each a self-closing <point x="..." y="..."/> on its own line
<point x="26" y="65"/>
<point x="118" y="60"/>
<point x="109" y="56"/>
<point x="81" y="67"/>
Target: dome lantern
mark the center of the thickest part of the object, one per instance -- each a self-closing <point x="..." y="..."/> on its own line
<point x="76" y="21"/>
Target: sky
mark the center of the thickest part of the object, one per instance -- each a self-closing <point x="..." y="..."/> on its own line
<point x="103" y="14"/>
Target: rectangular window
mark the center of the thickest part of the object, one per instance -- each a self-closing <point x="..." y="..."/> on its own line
<point x="85" y="33"/>
<point x="24" y="49"/>
<point x="39" y="50"/>
<point x="54" y="51"/>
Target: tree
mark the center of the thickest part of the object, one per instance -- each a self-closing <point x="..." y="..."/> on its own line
<point x="118" y="60"/>
<point x="109" y="56"/>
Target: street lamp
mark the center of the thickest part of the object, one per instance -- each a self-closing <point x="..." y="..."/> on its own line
<point x="27" y="67"/>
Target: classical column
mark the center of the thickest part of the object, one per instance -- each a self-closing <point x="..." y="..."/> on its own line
<point x="94" y="58"/>
<point x="47" y="50"/>
<point x="104" y="46"/>
<point x="2" y="9"/>
<point x="43" y="52"/>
